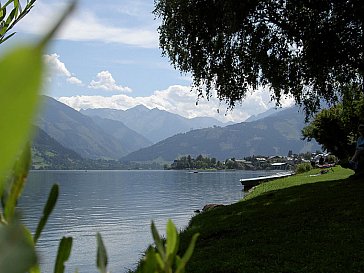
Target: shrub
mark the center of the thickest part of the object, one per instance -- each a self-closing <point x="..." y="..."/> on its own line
<point x="303" y="167"/>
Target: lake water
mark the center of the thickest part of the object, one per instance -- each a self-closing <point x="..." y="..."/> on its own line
<point x="120" y="205"/>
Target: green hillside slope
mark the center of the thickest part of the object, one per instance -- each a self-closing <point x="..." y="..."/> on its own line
<point x="47" y="153"/>
<point x="81" y="134"/>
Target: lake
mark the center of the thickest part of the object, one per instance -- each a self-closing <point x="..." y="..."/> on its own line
<point x="120" y="205"/>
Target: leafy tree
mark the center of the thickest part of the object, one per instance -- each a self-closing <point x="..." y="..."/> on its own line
<point x="336" y="128"/>
<point x="213" y="161"/>
<point x="308" y="49"/>
<point x="231" y="164"/>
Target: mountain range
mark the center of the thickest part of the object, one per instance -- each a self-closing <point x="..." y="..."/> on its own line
<point x="101" y="135"/>
<point x="89" y="138"/>
<point x="154" y="124"/>
<point x="47" y="153"/>
<point x="272" y="135"/>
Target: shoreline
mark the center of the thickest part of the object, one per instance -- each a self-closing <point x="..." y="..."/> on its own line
<point x="285" y="224"/>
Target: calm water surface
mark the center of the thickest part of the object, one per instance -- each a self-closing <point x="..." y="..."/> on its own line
<point x="120" y="205"/>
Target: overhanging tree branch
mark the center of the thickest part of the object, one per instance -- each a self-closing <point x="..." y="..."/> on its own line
<point x="233" y="46"/>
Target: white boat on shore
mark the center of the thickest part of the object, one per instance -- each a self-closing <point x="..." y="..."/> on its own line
<point x="248" y="183"/>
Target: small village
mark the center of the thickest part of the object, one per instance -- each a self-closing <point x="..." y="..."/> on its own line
<point x="284" y="163"/>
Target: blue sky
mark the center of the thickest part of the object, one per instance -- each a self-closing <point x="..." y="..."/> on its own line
<point x="107" y="55"/>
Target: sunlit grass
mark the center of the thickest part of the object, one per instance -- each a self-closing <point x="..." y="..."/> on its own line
<point x="312" y="176"/>
<point x="303" y="223"/>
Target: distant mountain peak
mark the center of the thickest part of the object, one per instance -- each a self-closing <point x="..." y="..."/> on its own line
<point x="157" y="109"/>
<point x="269" y="112"/>
<point x="154" y="124"/>
<point x="139" y="107"/>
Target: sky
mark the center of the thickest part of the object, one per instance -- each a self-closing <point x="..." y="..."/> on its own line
<point x="107" y="56"/>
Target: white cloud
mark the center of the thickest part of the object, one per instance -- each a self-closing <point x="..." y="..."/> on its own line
<point x="105" y="81"/>
<point x="179" y="100"/>
<point x="121" y="102"/>
<point x="74" y="80"/>
<point x="84" y="25"/>
<point x="58" y="68"/>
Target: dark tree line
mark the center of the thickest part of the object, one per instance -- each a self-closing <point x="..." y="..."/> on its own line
<point x="200" y="162"/>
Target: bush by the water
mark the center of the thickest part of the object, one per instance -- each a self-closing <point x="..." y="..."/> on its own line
<point x="303" y="167"/>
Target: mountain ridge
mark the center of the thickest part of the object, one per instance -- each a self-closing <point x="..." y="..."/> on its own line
<point x="100" y="138"/>
<point x="154" y="124"/>
<point x="273" y="135"/>
<point x="80" y="133"/>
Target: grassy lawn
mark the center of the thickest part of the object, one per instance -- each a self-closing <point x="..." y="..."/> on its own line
<point x="303" y="223"/>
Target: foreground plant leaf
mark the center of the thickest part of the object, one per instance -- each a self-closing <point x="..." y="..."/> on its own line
<point x="101" y="258"/>
<point x="16" y="248"/>
<point x="17" y="13"/>
<point x="20" y="81"/>
<point x="158" y="241"/>
<point x="164" y="258"/>
<point x="21" y="73"/>
<point x="17" y="181"/>
<point x="172" y="241"/>
<point x="64" y="252"/>
<point x="48" y="208"/>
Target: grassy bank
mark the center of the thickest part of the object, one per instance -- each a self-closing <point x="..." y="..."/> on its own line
<point x="298" y="224"/>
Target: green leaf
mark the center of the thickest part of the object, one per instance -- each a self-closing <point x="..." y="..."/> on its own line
<point x="172" y="241"/>
<point x="35" y="269"/>
<point x="48" y="208"/>
<point x="21" y="73"/>
<point x="17" y="182"/>
<point x="11" y="17"/>
<point x="158" y="241"/>
<point x="3" y="29"/>
<point x="186" y="257"/>
<point x="7" y="37"/>
<point x="29" y="238"/>
<point x="17" y="251"/>
<point x="18" y="102"/>
<point x="159" y="261"/>
<point x="179" y="265"/>
<point x="101" y="258"/>
<point x="64" y="252"/>
<point x="16" y="3"/>
<point x="17" y="7"/>
<point x="2" y="13"/>
<point x="150" y="263"/>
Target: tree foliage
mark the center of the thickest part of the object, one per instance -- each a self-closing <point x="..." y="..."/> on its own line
<point x="336" y="128"/>
<point x="187" y="162"/>
<point x="304" y="48"/>
<point x="10" y="14"/>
